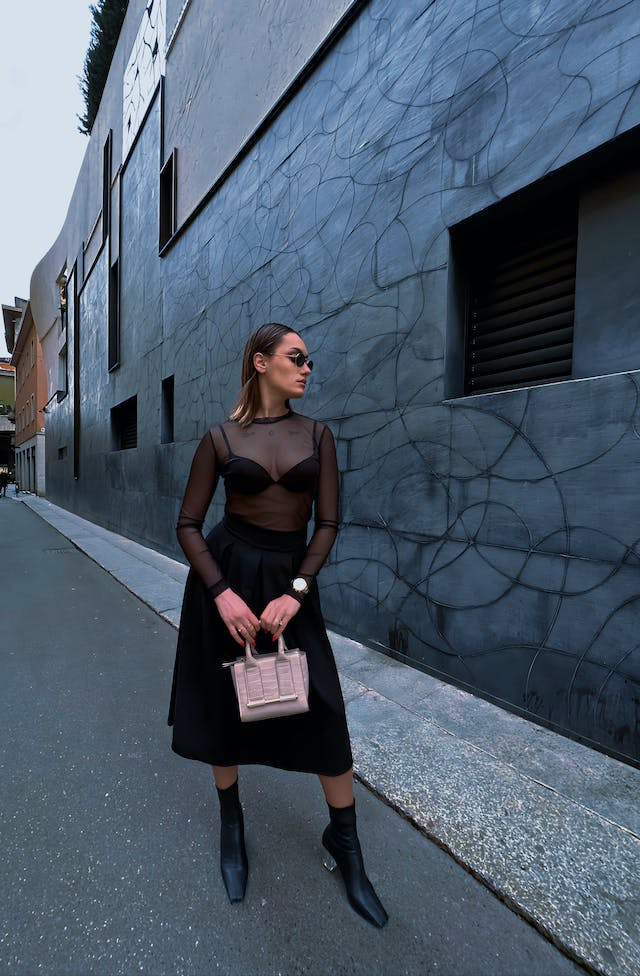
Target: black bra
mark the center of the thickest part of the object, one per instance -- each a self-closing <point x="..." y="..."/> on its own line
<point x="249" y="477"/>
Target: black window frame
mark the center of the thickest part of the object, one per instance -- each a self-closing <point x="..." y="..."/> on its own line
<point x="113" y="344"/>
<point x="107" y="151"/>
<point x="167" y="410"/>
<point x="168" y="198"/>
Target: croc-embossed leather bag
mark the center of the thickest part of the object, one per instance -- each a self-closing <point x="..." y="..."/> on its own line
<point x="270" y="685"/>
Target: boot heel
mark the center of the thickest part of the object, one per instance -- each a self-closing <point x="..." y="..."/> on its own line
<point x="329" y="863"/>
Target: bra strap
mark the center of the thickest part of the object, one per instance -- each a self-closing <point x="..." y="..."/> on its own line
<point x="226" y="439"/>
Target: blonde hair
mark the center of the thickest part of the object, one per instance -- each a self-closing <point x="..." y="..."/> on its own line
<point x="265" y="340"/>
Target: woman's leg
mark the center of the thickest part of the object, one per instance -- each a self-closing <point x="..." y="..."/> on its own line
<point x="338" y="790"/>
<point x="340" y="839"/>
<point x="225" y="776"/>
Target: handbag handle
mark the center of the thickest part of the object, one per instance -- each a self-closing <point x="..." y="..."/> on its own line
<point x="251" y="658"/>
<point x="282" y="647"/>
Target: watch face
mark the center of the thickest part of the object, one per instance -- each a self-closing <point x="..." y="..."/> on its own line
<point x="300" y="585"/>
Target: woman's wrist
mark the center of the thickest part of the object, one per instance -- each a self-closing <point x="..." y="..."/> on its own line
<point x="221" y="587"/>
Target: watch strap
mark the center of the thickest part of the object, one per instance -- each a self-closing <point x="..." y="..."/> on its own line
<point x="296" y="596"/>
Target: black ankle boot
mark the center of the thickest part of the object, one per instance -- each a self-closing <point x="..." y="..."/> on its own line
<point x="233" y="854"/>
<point x="341" y="841"/>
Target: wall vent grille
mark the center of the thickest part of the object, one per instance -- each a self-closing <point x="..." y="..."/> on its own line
<point x="520" y="314"/>
<point x="124" y="424"/>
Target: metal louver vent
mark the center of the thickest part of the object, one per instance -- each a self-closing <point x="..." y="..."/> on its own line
<point x="129" y="431"/>
<point x="124" y="419"/>
<point x="521" y="314"/>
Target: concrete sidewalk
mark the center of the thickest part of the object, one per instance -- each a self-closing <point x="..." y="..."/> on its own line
<point x="551" y="826"/>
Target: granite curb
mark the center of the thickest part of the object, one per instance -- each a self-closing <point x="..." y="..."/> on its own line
<point x="549" y="825"/>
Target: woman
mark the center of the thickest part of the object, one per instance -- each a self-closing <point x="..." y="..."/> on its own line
<point x="254" y="578"/>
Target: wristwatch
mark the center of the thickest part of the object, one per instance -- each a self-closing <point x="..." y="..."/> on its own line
<point x="300" y="586"/>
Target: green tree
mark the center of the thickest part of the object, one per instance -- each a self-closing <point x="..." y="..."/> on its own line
<point x="108" y="16"/>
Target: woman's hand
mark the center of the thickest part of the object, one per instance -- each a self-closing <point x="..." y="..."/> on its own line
<point x="277" y="614"/>
<point x="241" y="623"/>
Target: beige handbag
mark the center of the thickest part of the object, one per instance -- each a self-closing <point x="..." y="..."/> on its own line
<point x="270" y="685"/>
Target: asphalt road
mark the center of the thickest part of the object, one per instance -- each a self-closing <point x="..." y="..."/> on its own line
<point x="109" y="840"/>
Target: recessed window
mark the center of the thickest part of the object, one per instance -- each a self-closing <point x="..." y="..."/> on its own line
<point x="61" y="282"/>
<point x="62" y="373"/>
<point x="62" y="453"/>
<point x="106" y="186"/>
<point x="167" y="410"/>
<point x="124" y="425"/>
<point x="168" y="175"/>
<point x="114" y="316"/>
<point x="520" y="306"/>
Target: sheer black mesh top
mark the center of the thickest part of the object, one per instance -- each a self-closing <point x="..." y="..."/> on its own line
<point x="273" y="471"/>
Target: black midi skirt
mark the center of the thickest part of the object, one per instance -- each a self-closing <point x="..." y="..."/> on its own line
<point x="259" y="565"/>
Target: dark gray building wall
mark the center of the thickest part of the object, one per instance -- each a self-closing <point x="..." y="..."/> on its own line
<point x="252" y="53"/>
<point x="497" y="534"/>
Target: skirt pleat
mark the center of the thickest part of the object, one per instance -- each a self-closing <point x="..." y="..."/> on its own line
<point x="259" y="565"/>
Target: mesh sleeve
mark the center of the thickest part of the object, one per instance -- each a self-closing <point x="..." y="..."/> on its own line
<point x="201" y="485"/>
<point x="327" y="514"/>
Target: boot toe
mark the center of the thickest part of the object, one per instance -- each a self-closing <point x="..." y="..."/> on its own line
<point x="364" y="900"/>
<point x="234" y="864"/>
<point x="370" y="908"/>
<point x="235" y="881"/>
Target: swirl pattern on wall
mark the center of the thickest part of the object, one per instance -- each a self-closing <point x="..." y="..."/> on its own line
<point x="500" y="532"/>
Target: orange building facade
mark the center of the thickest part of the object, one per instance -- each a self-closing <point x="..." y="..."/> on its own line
<point x="7" y="416"/>
<point x="31" y="397"/>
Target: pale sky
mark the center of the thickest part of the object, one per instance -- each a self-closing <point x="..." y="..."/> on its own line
<point x="42" y="50"/>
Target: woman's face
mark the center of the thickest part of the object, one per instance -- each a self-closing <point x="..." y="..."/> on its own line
<point x="279" y="372"/>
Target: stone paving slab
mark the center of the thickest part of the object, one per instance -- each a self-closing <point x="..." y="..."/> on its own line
<point x="608" y="787"/>
<point x="571" y="872"/>
<point x="551" y="826"/>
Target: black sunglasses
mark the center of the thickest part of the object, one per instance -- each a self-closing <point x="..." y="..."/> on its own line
<point x="298" y="359"/>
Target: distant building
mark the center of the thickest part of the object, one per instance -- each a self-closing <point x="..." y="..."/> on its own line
<point x="444" y="199"/>
<point x="27" y="362"/>
<point x="7" y="416"/>
<point x="11" y="315"/>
